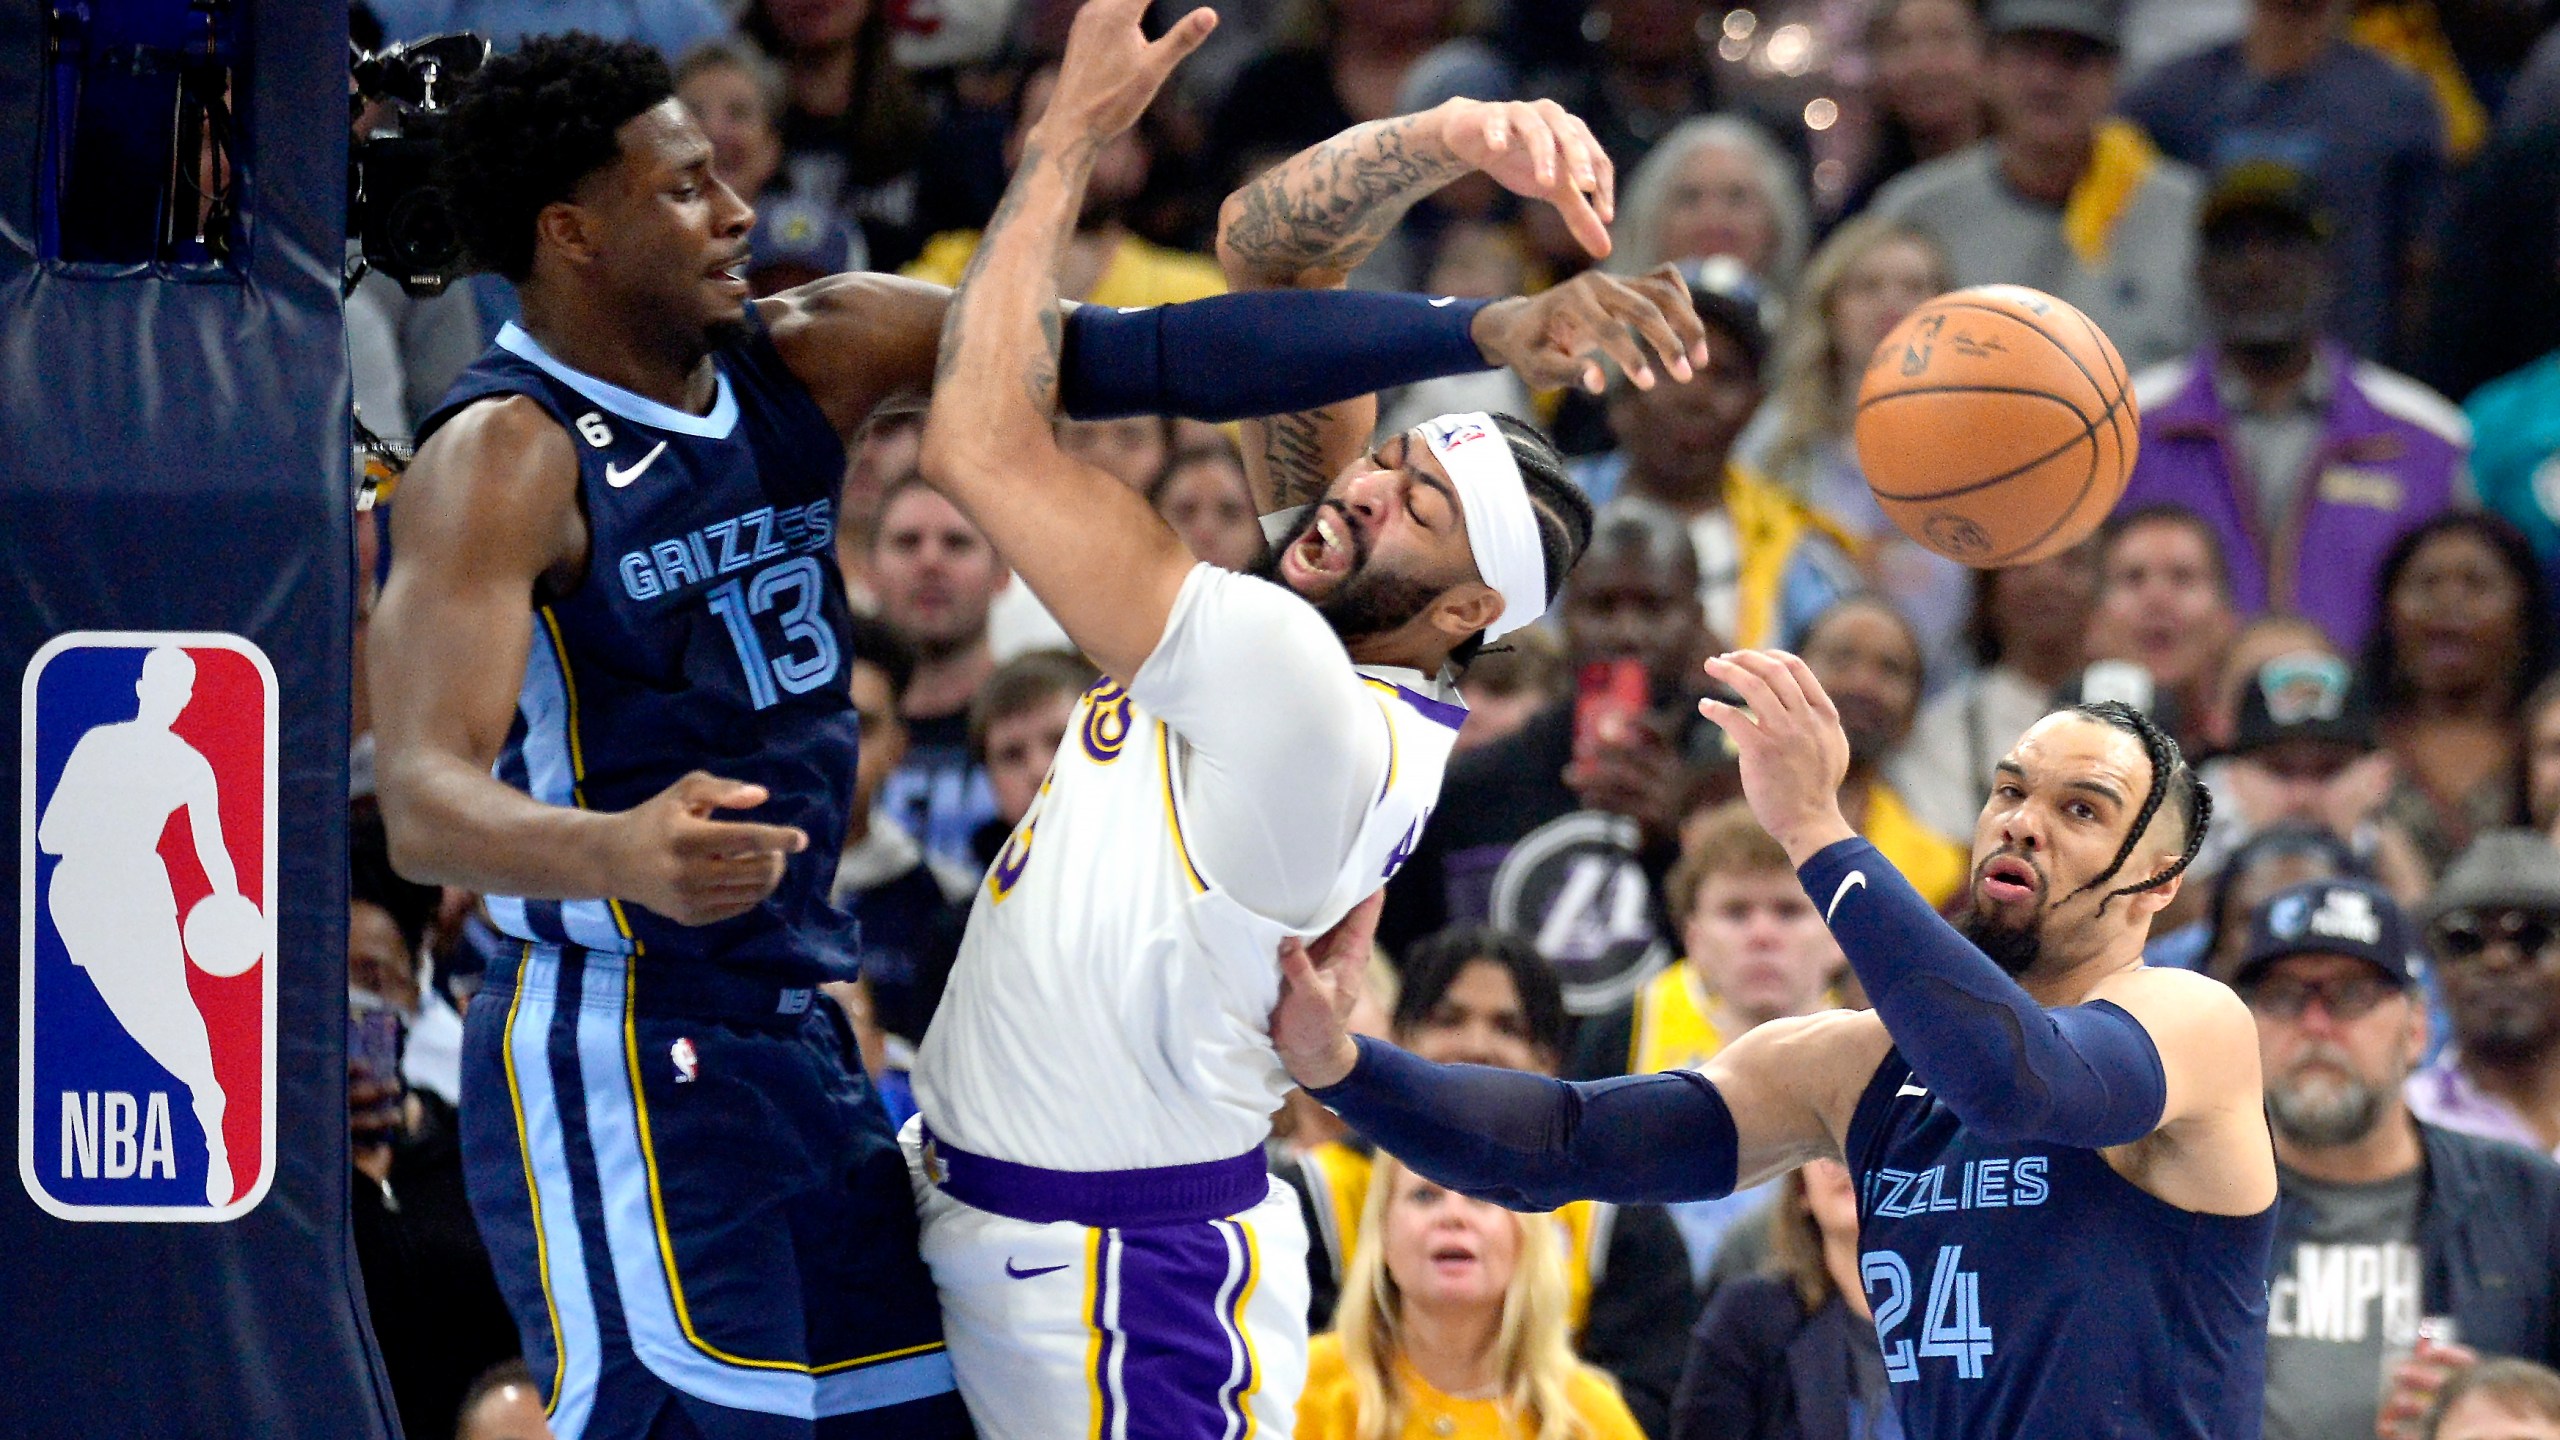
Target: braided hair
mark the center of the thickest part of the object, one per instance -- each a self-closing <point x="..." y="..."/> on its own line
<point x="2173" y="782"/>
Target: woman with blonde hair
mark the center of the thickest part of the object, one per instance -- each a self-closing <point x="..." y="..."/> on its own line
<point x="1452" y="1327"/>
<point x="1870" y="274"/>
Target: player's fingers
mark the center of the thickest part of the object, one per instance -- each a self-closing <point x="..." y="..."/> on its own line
<point x="1644" y="312"/>
<point x="1541" y="142"/>
<point x="1178" y="42"/>
<point x="1604" y="173"/>
<point x="1610" y="335"/>
<point x="742" y="837"/>
<point x="1682" y="309"/>
<point x="1575" y="150"/>
<point x="1297" y="967"/>
<point x="1588" y="229"/>
<point x="1766" y="708"/>
<point x="701" y="792"/>
<point x="1771" y="667"/>
<point x="1815" y="696"/>
<point x="1733" y="720"/>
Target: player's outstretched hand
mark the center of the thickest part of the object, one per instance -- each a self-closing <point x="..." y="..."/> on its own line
<point x="1794" y="753"/>
<point x="1111" y="71"/>
<point x="695" y="870"/>
<point x="1558" y="336"/>
<point x="1538" y="149"/>
<point x="1321" y="982"/>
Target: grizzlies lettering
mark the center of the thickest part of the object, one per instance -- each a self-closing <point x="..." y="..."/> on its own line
<point x="669" y="567"/>
<point x="1976" y="1185"/>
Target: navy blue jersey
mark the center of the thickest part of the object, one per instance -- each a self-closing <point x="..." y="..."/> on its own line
<point x="709" y="632"/>
<point x="2028" y="1291"/>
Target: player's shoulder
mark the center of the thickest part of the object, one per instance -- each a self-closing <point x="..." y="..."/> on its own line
<point x="2157" y="993"/>
<point x="507" y="432"/>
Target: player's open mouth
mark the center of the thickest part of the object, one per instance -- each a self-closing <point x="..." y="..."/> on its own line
<point x="1326" y="548"/>
<point x="733" y="275"/>
<point x="2006" y="877"/>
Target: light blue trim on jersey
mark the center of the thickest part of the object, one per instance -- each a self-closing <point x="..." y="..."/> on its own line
<point x="544" y="702"/>
<point x="631" y="406"/>
<point x="546" y="1149"/>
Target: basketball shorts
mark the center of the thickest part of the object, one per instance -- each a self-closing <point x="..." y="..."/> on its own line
<point x="1144" y="1305"/>
<point x="695" y="1207"/>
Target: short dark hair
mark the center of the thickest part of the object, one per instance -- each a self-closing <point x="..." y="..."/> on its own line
<point x="1564" y="513"/>
<point x="1020" y="684"/>
<point x="2173" y="783"/>
<point x="529" y="127"/>
<point x="876" y="642"/>
<point x="497" y="1377"/>
<point x="1436" y="961"/>
<point x="2124" y="522"/>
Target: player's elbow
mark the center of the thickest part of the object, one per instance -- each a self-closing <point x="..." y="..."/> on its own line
<point x="415" y="840"/>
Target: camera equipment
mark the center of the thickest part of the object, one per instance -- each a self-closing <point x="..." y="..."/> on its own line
<point x="393" y="207"/>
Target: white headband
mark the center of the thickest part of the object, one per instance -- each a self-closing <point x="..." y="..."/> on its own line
<point x="1502" y="525"/>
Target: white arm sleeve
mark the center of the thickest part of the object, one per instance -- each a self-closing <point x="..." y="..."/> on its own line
<point x="1287" y="748"/>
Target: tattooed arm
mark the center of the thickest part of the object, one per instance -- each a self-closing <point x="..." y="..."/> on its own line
<point x="1309" y="221"/>
<point x="1090" y="548"/>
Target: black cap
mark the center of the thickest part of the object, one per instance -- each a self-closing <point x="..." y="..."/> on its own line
<point x="2100" y="21"/>
<point x="2305" y="695"/>
<point x="2263" y="189"/>
<point x="1732" y="299"/>
<point x="2354" y="918"/>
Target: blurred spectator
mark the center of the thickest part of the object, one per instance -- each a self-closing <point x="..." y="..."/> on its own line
<point x="671" y="27"/>
<point x="2515" y="448"/>
<point x="2495" y="302"/>
<point x="886" y="452"/>
<point x="1861" y="284"/>
<point x="2062" y="197"/>
<point x="2463" y="634"/>
<point x="2276" y="858"/>
<point x="1715" y="186"/>
<point x="2028" y="630"/>
<point x="1336" y="63"/>
<point x="2540" y="719"/>
<point x="2493" y="928"/>
<point x="2159" y="31"/>
<point x="1865" y="654"/>
<point x="737" y="95"/>
<point x="2444" y="1224"/>
<point x="2257" y="642"/>
<point x="909" y="905"/>
<point x="1452" y="1325"/>
<point x="1105" y="263"/>
<point x="2164" y="603"/>
<point x="1477" y="259"/>
<point x="2308" y="462"/>
<point x="428" y="1288"/>
<point x="1016" y="724"/>
<point x="1790" y="1353"/>
<point x="1204" y="496"/>
<point x="1567" y="801"/>
<point x="504" y="1404"/>
<point x="2498" y="1400"/>
<point x="2294" y="92"/>
<point x="1480" y="996"/>
<point x="1131" y="449"/>
<point x="856" y="128"/>
<point x="1509" y="684"/>
<point x="1647" y="72"/>
<point x="1928" y="89"/>
<point x="1766" y="562"/>
<point x="937" y="577"/>
<point x="2465" y="80"/>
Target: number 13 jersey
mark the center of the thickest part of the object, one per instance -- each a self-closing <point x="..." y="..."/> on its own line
<point x="708" y="632"/>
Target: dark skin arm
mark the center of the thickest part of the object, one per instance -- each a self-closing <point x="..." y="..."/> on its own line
<point x="862" y="343"/>
<point x="488" y="513"/>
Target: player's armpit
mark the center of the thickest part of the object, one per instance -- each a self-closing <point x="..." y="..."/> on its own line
<point x="1793" y="1087"/>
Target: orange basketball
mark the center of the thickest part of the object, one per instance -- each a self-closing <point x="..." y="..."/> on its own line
<point x="1996" y="425"/>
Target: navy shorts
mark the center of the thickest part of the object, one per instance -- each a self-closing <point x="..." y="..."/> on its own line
<point x="695" y="1207"/>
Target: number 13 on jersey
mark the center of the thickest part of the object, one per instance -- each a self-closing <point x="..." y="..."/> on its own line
<point x="1952" y="1328"/>
<point x="737" y="603"/>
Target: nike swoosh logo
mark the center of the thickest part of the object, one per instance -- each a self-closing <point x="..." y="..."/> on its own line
<point x="1027" y="1274"/>
<point x="1444" y="302"/>
<point x="1910" y="1089"/>
<point x="1856" y="880"/>
<point x="617" y="477"/>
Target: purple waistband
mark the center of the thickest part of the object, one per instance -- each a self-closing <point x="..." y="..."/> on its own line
<point x="1104" y="1199"/>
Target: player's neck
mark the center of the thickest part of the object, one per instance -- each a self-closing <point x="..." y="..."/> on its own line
<point x="1452" y="1348"/>
<point x="2389" y="1150"/>
<point x="680" y="377"/>
<point x="2061" y="981"/>
<point x="1399" y="650"/>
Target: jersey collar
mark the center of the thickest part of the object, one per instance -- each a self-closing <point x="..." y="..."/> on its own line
<point x="639" y="409"/>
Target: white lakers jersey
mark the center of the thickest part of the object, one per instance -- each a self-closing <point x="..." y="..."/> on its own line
<point x="1111" y="1006"/>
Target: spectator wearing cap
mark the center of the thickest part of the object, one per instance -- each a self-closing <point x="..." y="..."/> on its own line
<point x="2062" y="197"/>
<point x="2294" y="90"/>
<point x="2382" y="1220"/>
<point x="1870" y="274"/>
<point x="2306" y="750"/>
<point x="2308" y="462"/>
<point x="2493" y="928"/>
<point x="737" y="96"/>
<point x="1767" y="563"/>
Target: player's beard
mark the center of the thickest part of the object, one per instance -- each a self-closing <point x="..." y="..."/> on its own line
<point x="1368" y="601"/>
<point x="2014" y="948"/>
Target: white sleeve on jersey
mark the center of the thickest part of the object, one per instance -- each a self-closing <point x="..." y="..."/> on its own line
<point x="1288" y="749"/>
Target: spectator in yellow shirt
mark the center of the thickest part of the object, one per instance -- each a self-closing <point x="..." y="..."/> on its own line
<point x="1452" y="1327"/>
<point x="1105" y="264"/>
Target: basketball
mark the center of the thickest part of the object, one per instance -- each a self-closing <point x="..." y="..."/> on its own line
<point x="225" y="934"/>
<point x="1996" y="425"/>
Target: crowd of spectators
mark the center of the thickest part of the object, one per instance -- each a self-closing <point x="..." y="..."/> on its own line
<point x="2323" y="234"/>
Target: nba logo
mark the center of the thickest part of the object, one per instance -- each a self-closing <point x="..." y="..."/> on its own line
<point x="146" y="912"/>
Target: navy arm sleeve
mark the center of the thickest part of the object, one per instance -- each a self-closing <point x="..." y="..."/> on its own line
<point x="1531" y="1143"/>
<point x="1265" y="352"/>
<point x="2079" y="1075"/>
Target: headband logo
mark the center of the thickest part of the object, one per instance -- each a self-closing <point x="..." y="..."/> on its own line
<point x="1451" y="434"/>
